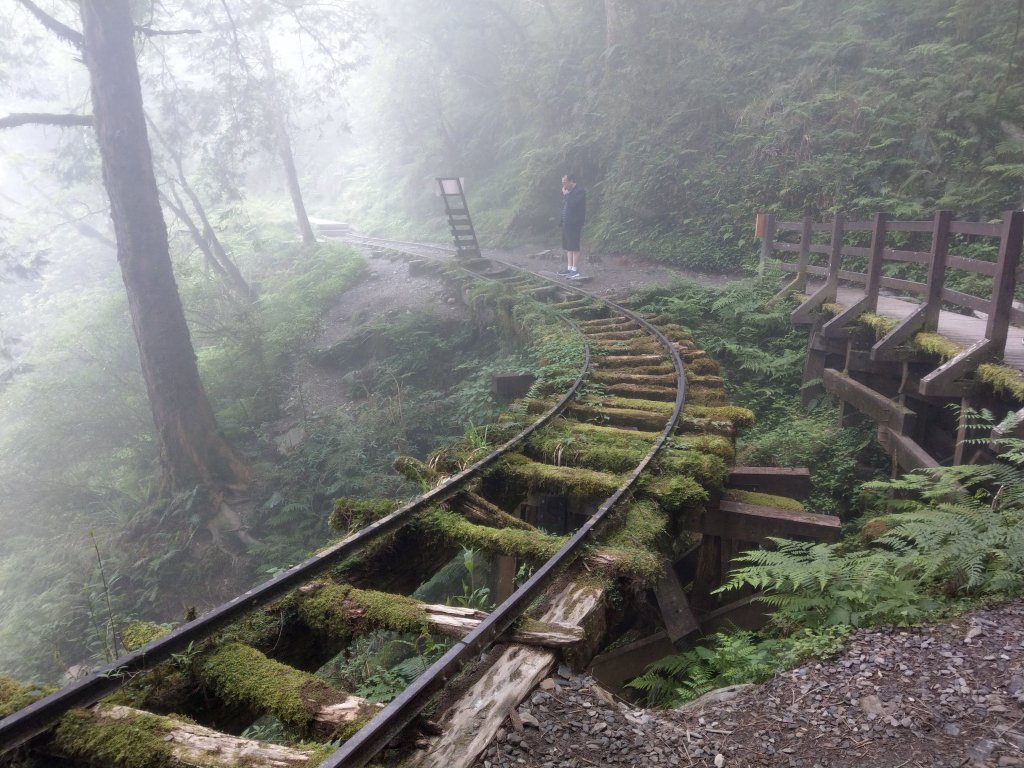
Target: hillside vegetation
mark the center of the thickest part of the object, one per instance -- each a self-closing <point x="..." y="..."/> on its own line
<point x="686" y="117"/>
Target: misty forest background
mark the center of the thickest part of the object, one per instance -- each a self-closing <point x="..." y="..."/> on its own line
<point x="682" y="118"/>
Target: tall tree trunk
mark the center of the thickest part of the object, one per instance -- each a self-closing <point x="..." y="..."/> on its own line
<point x="192" y="452"/>
<point x="277" y="116"/>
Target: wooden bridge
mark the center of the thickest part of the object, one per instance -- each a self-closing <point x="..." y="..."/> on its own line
<point x="908" y="318"/>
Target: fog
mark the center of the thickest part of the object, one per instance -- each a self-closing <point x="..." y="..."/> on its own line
<point x="683" y="119"/>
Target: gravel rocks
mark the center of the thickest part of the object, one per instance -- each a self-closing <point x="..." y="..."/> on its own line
<point x="949" y="695"/>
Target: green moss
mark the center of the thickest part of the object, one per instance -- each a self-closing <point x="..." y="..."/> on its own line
<point x="606" y="450"/>
<point x="415" y="470"/>
<point x="15" y="696"/>
<point x="831" y="308"/>
<point x="531" y="545"/>
<point x="711" y="396"/>
<point x="582" y="483"/>
<point x="707" y="469"/>
<point x="738" y="417"/>
<point x="637" y="564"/>
<point x="238" y="674"/>
<point x="641" y="525"/>
<point x="647" y="391"/>
<point x="704" y="366"/>
<point x="1002" y="379"/>
<point x="328" y="610"/>
<point x="764" y="500"/>
<point x="674" y="494"/>
<point x="349" y="513"/>
<point x="637" y="404"/>
<point x="936" y="344"/>
<point x="137" y="634"/>
<point x="692" y="425"/>
<point x="132" y="742"/>
<point x="879" y="324"/>
<point x="716" y="445"/>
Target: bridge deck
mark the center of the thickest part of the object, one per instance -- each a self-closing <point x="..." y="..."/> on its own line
<point x="964" y="330"/>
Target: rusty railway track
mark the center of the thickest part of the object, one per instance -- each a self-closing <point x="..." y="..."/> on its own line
<point x="605" y="324"/>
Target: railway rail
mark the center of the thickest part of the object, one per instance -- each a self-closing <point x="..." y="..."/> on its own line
<point x="643" y="380"/>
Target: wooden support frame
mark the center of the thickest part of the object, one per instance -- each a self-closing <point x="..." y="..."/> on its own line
<point x="880" y="408"/>
<point x="799" y="282"/>
<point x="737" y="521"/>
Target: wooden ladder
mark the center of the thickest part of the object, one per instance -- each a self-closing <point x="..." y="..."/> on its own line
<point x="463" y="234"/>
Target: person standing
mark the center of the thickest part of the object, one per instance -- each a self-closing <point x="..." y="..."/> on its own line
<point x="574" y="214"/>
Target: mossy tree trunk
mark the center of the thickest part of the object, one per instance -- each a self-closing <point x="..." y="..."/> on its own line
<point x="192" y="452"/>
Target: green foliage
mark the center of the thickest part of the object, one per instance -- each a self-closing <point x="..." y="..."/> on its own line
<point x="698" y="114"/>
<point x="951" y="533"/>
<point x="731" y="659"/>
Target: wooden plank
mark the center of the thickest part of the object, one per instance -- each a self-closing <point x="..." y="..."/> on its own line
<point x="976" y="228"/>
<point x="966" y="300"/>
<point x="859" y="360"/>
<point x="470" y="725"/>
<point x="794" y="482"/>
<point x="911" y="226"/>
<point x="952" y="370"/>
<point x="675" y="608"/>
<point x="750" y="522"/>
<point x="905" y="452"/>
<point x="972" y="265"/>
<point x="937" y="269"/>
<point x="901" y="334"/>
<point x="876" y="405"/>
<point x="910" y="257"/>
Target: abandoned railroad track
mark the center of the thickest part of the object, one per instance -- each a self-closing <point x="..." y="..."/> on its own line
<point x="591" y="493"/>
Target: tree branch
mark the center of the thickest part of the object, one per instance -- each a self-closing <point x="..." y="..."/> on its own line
<point x="63" y="31"/>
<point x="43" y="118"/>
<point x="150" y="32"/>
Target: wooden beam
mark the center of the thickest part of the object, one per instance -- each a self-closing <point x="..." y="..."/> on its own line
<point x="748" y="522"/>
<point x="901" y="334"/>
<point x="188" y="745"/>
<point x="794" y="482"/>
<point x="876" y="405"/>
<point x="675" y="608"/>
<point x="905" y="452"/>
<point x="951" y="371"/>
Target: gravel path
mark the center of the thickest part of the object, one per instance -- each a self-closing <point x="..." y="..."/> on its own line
<point x="947" y="695"/>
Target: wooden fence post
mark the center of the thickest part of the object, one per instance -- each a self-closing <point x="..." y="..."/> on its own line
<point x="1005" y="280"/>
<point x="937" y="269"/>
<point x="835" y="258"/>
<point x="874" y="281"/>
<point x="767" y="242"/>
<point x="806" y="234"/>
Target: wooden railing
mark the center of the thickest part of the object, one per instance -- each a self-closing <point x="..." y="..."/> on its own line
<point x="887" y="243"/>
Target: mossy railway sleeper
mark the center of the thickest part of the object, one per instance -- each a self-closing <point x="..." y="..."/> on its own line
<point x="607" y="459"/>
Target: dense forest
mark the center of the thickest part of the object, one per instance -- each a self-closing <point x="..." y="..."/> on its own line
<point x="682" y="118"/>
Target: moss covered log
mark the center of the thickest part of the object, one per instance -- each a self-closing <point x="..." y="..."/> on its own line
<point x="350" y="514"/>
<point x="534" y="476"/>
<point x="120" y="737"/>
<point x="534" y="546"/>
<point x="242" y="676"/>
<point x="738" y="417"/>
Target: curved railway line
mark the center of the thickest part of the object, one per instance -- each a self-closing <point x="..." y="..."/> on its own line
<point x="253" y="655"/>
